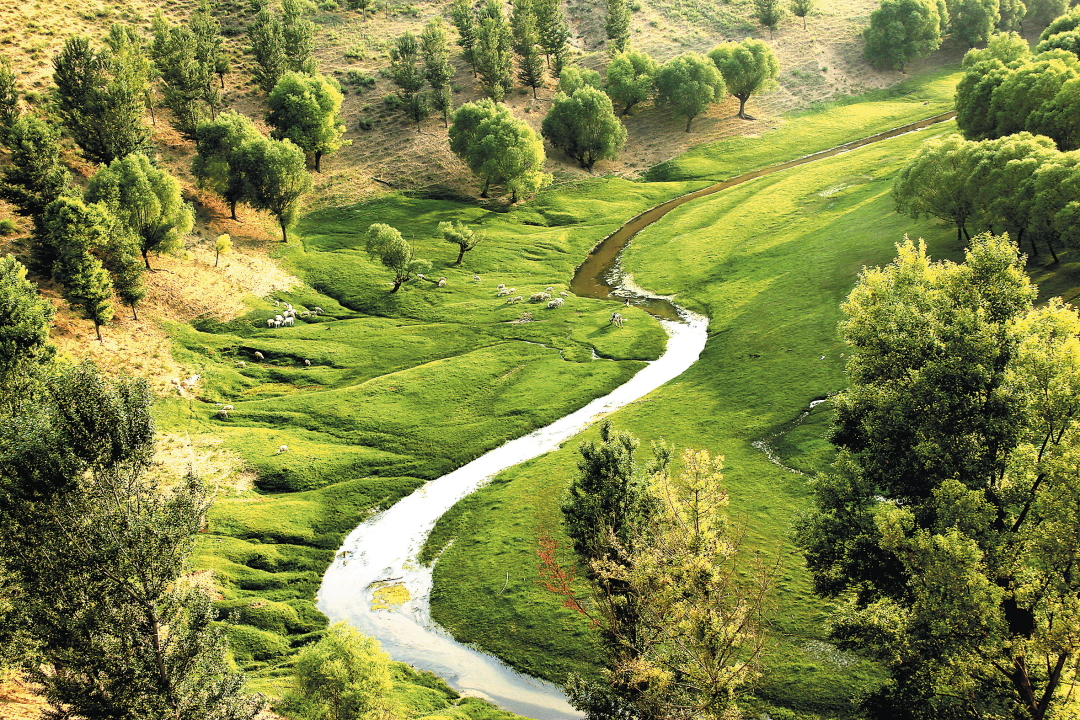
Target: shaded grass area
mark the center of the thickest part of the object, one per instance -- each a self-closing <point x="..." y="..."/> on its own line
<point x="820" y="127"/>
<point x="769" y="262"/>
<point x="386" y="391"/>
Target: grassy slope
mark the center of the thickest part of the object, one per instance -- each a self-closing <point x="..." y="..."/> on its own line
<point x="401" y="389"/>
<point x="769" y="262"/>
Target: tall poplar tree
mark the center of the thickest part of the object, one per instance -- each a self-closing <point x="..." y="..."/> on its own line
<point x="617" y="25"/>
<point x="407" y="73"/>
<point x="438" y="71"/>
<point x="554" y="34"/>
<point x="493" y="51"/>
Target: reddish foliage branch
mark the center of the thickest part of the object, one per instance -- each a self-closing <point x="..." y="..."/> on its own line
<point x="556" y="578"/>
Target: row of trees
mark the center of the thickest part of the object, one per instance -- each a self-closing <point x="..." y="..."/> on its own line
<point x="1020" y="183"/>
<point x="947" y="527"/>
<point x="1007" y="89"/>
<point x="901" y="31"/>
<point x="96" y="603"/>
<point x="680" y="626"/>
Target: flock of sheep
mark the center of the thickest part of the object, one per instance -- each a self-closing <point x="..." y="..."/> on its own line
<point x="288" y="316"/>
<point x="544" y="295"/>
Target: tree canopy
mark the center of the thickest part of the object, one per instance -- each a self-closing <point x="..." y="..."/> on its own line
<point x="584" y="126"/>
<point x="688" y="83"/>
<point x="498" y="148"/>
<point x="276" y="177"/>
<point x="748" y="68"/>
<point x="306" y="109"/>
<point x="944" y="517"/>
<point x="904" y="30"/>
<point x="147" y="199"/>
<point x="630" y="79"/>
<point x="385" y="244"/>
<point x="217" y="163"/>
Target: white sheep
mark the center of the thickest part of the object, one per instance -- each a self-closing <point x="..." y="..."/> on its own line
<point x="616" y="319"/>
<point x="513" y="300"/>
<point x="282" y="449"/>
<point x="441" y="283"/>
<point x="280" y="319"/>
<point x="506" y="291"/>
<point x="259" y="356"/>
<point x="223" y="414"/>
<point x="305" y="313"/>
<point x="271" y="322"/>
<point x="548" y="290"/>
<point x="421" y="276"/>
<point x="564" y="293"/>
<point x="241" y="364"/>
<point x="476" y="278"/>
<point x="307" y="363"/>
<point x="500" y="286"/>
<point x="289" y="321"/>
<point x="227" y="408"/>
<point x="317" y="310"/>
<point x="556" y="303"/>
<point x="539" y="297"/>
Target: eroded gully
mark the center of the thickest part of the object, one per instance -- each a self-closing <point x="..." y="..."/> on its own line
<point x="381" y="552"/>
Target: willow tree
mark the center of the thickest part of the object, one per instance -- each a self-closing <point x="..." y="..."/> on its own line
<point x="749" y="68"/>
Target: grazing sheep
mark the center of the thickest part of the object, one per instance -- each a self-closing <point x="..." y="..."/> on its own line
<point x="223" y="414"/>
<point x="280" y="319"/>
<point x="317" y="310"/>
<point x="282" y="449"/>
<point x="259" y="355"/>
<point x="500" y="286"/>
<point x="506" y="291"/>
<point x="513" y="300"/>
<point x="616" y="319"/>
<point x="270" y="322"/>
<point x="476" y="278"/>
<point x="227" y="408"/>
<point x="305" y="313"/>
<point x="441" y="283"/>
<point x="307" y="363"/>
<point x="539" y="297"/>
<point x="548" y="290"/>
<point x="556" y="303"/>
<point x="421" y="276"/>
<point x="564" y="293"/>
<point x="241" y="364"/>
<point x="289" y="321"/>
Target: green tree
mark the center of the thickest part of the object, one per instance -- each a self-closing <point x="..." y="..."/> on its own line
<point x="361" y="5"/>
<point x="769" y="13"/>
<point x="121" y="257"/>
<point x="1043" y="12"/>
<point x="1011" y="15"/>
<point x="147" y="200"/>
<point x="24" y="334"/>
<point x="1069" y="41"/>
<point x="554" y="34"/>
<point x="800" y="9"/>
<point x="688" y="84"/>
<point x="210" y="49"/>
<point x="493" y="51"/>
<point x="748" y="68"/>
<point x="973" y="21"/>
<point x="100" y="550"/>
<point x="438" y="71"/>
<point x="630" y="79"/>
<point x="188" y="86"/>
<point x="78" y="231"/>
<point x="984" y="71"/>
<point x="36" y="176"/>
<point x="945" y="513"/>
<point x="217" y="164"/>
<point x="940" y="181"/>
<point x="277" y="177"/>
<point x="1028" y="88"/>
<point x="9" y="99"/>
<point x="1057" y="117"/>
<point x="498" y="148"/>
<point x="306" y="109"/>
<point x="344" y="676"/>
<point x="385" y="244"/>
<point x="129" y="48"/>
<point x="901" y="31"/>
<point x="461" y="235"/>
<point x="575" y="77"/>
<point x="463" y="16"/>
<point x="1063" y="22"/>
<point x="298" y="37"/>
<point x="617" y="25"/>
<point x="527" y="45"/>
<point x="222" y="246"/>
<point x="267" y="45"/>
<point x="100" y="100"/>
<point x="1003" y="182"/>
<point x="407" y="73"/>
<point x="584" y="126"/>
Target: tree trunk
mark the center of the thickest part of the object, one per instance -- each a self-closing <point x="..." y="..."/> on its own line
<point x="318" y="159"/>
<point x="959" y="234"/>
<point x="97" y="328"/>
<point x="461" y="254"/>
<point x="232" y="209"/>
<point x="222" y="76"/>
<point x="484" y="193"/>
<point x="134" y="312"/>
<point x="217" y="256"/>
<point x="804" y="23"/>
<point x="147" y="261"/>
<point x="284" y="232"/>
<point x="397" y="284"/>
<point x="688" y="121"/>
<point x="1034" y="247"/>
<point x="1050" y="244"/>
<point x="742" y="107"/>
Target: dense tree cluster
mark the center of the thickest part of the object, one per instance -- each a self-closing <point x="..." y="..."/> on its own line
<point x="1020" y="183"/>
<point x="1007" y="89"/>
<point x="385" y="244"/>
<point x="498" y="148"/>
<point x="904" y="30"/>
<point x="584" y="126"/>
<point x="947" y="525"/>
<point x="681" y="631"/>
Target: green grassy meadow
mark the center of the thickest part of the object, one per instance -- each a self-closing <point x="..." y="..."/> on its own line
<point x="404" y="387"/>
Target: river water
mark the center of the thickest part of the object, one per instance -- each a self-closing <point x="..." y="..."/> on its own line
<point x="381" y="552"/>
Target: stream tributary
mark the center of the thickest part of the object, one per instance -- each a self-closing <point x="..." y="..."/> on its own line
<point x="382" y="550"/>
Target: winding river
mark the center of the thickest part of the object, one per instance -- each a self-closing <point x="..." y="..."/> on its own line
<point x="381" y="552"/>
